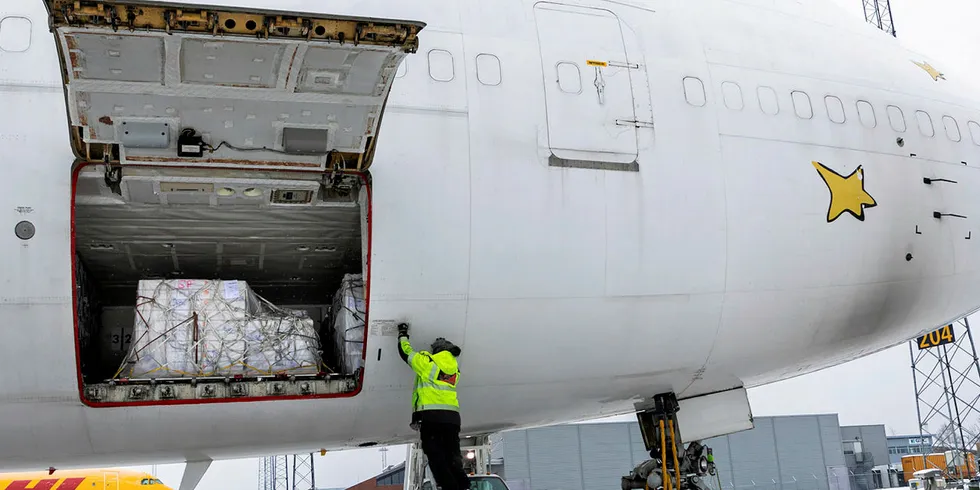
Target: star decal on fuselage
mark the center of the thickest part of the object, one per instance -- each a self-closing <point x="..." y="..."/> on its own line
<point x="934" y="73"/>
<point x="846" y="193"/>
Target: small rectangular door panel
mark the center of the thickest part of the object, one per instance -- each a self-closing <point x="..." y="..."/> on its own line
<point x="111" y="480"/>
<point x="587" y="84"/>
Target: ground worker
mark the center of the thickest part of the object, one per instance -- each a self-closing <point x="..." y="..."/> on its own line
<point x="435" y="408"/>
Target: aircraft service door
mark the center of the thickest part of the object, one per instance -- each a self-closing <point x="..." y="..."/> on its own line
<point x="111" y="479"/>
<point x="589" y="96"/>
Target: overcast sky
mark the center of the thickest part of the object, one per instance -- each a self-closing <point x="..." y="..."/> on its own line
<point x="874" y="390"/>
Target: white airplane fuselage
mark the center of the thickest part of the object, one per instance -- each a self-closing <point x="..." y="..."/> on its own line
<point x="757" y="213"/>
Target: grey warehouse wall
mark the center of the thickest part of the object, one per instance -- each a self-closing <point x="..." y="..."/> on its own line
<point x="873" y="440"/>
<point x="780" y="453"/>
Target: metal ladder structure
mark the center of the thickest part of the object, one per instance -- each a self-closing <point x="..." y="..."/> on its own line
<point x="879" y="13"/>
<point x="946" y="378"/>
<point x="416" y="467"/>
<point x="274" y="472"/>
<point x="476" y="461"/>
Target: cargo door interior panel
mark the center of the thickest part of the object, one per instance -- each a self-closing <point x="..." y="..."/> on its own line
<point x="267" y="89"/>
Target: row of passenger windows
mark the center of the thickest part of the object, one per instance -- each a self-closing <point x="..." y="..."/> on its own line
<point x="442" y="67"/>
<point x="769" y="104"/>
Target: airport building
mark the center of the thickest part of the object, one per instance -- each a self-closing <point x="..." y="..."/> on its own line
<point x="899" y="446"/>
<point x="795" y="453"/>
<point x="393" y="478"/>
<point x="800" y="452"/>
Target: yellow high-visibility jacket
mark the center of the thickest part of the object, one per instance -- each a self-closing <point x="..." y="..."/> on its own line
<point x="436" y="377"/>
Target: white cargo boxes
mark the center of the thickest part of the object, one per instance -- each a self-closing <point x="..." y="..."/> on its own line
<point x="191" y="328"/>
<point x="348" y="322"/>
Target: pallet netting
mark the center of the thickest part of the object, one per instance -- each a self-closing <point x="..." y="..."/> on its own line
<point x="348" y="322"/>
<point x="86" y="310"/>
<point x="201" y="328"/>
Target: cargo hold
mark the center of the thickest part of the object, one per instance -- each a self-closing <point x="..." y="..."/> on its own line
<point x="196" y="284"/>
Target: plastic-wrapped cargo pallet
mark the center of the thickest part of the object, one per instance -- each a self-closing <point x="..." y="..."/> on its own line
<point x="348" y="322"/>
<point x="216" y="328"/>
<point x="86" y="306"/>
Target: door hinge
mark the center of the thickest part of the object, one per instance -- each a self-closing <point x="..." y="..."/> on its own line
<point x="634" y="123"/>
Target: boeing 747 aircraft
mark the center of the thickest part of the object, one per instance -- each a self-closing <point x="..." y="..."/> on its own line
<point x="610" y="205"/>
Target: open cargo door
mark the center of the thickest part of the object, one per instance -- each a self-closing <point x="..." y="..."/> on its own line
<point x="157" y="83"/>
<point x="189" y="123"/>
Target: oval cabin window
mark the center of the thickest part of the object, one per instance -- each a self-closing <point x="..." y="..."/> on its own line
<point x="694" y="91"/>
<point x="975" y="132"/>
<point x="488" y="69"/>
<point x="802" y="105"/>
<point x="952" y="129"/>
<point x="925" y="124"/>
<point x="732" y="93"/>
<point x="835" y="109"/>
<point x="15" y="34"/>
<point x="569" y="77"/>
<point x="866" y="112"/>
<point x="441" y="67"/>
<point x="768" y="101"/>
<point x="897" y="119"/>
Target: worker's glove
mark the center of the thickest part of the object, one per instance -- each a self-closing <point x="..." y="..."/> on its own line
<point x="402" y="330"/>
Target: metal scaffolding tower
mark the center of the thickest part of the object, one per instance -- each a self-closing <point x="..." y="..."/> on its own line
<point x="946" y="377"/>
<point x="263" y="474"/>
<point x="275" y="471"/>
<point x="304" y="477"/>
<point x="280" y="478"/>
<point x="879" y="13"/>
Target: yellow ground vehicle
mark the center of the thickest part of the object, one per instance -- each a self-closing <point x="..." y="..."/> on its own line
<point x="88" y="479"/>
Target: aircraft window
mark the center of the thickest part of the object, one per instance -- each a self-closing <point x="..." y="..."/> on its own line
<point x="801" y="102"/>
<point x="866" y="112"/>
<point x="952" y="129"/>
<point x="569" y="77"/>
<point x="768" y="100"/>
<point x="157" y="482"/>
<point x="145" y="481"/>
<point x="975" y="132"/>
<point x="835" y="109"/>
<point x="15" y="34"/>
<point x="925" y="124"/>
<point x="488" y="69"/>
<point x="733" y="96"/>
<point x="402" y="69"/>
<point x="897" y="119"/>
<point x="441" y="67"/>
<point x="694" y="91"/>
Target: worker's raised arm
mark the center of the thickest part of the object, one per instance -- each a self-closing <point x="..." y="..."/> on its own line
<point x="422" y="364"/>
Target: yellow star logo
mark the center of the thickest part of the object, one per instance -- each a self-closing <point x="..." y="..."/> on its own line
<point x="846" y="193"/>
<point x="934" y="73"/>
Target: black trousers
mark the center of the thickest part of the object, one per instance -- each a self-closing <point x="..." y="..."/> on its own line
<point x="440" y="443"/>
